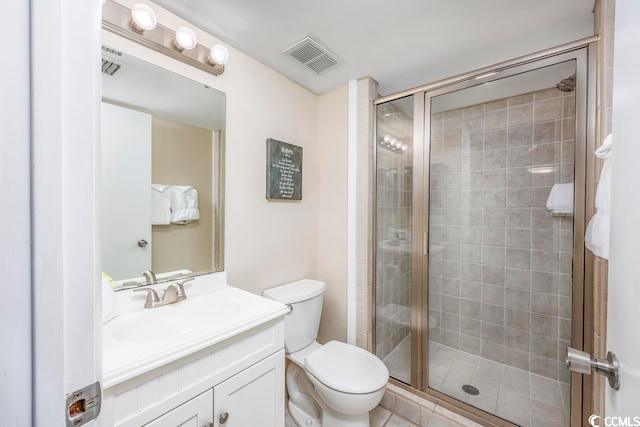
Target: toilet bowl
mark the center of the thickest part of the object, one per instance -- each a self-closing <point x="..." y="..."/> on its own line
<point x="330" y="385"/>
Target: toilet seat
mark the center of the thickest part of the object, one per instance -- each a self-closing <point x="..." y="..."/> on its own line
<point x="347" y="368"/>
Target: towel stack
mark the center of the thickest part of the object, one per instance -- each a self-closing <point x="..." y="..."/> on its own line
<point x="560" y="201"/>
<point x="176" y="204"/>
<point x="160" y="204"/>
<point x="184" y="204"/>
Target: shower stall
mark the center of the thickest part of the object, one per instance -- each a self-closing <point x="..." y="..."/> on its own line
<point x="479" y="262"/>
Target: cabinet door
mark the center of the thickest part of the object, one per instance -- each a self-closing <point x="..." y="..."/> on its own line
<point x="197" y="412"/>
<point x="254" y="397"/>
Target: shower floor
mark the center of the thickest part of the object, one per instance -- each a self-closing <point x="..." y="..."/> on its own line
<point x="516" y="395"/>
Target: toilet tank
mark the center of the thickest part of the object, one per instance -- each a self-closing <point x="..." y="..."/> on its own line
<point x="302" y="323"/>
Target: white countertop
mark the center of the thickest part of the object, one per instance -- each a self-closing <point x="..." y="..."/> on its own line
<point x="141" y="339"/>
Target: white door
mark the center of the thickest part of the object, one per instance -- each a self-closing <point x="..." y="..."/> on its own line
<point x="62" y="68"/>
<point x="125" y="203"/>
<point x="254" y="397"/>
<point x="623" y="328"/>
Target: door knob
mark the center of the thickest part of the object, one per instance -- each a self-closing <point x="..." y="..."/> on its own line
<point x="581" y="362"/>
<point x="142" y="243"/>
<point x="224" y="417"/>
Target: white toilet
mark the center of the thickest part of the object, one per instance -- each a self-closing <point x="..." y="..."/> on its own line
<point x="331" y="385"/>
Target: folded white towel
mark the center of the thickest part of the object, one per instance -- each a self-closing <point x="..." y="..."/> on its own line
<point x="597" y="235"/>
<point x="184" y="204"/>
<point x="109" y="308"/>
<point x="560" y="199"/>
<point x="160" y="204"/>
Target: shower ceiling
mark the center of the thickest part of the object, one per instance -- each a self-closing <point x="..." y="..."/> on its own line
<point x="399" y="44"/>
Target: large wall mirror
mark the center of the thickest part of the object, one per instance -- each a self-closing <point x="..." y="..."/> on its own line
<point x="162" y="179"/>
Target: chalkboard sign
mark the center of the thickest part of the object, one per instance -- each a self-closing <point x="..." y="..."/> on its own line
<point x="284" y="170"/>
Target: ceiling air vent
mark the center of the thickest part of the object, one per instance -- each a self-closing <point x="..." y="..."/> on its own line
<point x="313" y="55"/>
<point x="109" y="65"/>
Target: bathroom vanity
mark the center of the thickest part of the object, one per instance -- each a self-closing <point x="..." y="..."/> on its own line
<point x="215" y="359"/>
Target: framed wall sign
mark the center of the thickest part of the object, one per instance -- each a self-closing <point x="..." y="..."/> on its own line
<point x="284" y="170"/>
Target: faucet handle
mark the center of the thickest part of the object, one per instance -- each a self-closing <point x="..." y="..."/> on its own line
<point x="180" y="294"/>
<point x="150" y="277"/>
<point x="152" y="297"/>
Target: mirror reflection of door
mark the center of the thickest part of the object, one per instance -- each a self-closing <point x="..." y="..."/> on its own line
<point x="126" y="199"/>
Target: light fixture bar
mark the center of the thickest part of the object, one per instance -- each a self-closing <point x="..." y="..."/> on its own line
<point x="117" y="20"/>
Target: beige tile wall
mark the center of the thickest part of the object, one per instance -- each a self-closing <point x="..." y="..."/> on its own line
<point x="367" y="91"/>
<point x="500" y="265"/>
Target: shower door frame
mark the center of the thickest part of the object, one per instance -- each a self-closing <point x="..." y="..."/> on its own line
<point x="582" y="308"/>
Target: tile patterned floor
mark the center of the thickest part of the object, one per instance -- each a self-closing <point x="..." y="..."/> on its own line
<point x="513" y="394"/>
<point x="381" y="417"/>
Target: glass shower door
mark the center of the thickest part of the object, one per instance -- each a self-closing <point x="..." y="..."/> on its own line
<point x="501" y="244"/>
<point x="394" y="236"/>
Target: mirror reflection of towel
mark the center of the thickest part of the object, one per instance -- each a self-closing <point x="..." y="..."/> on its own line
<point x="160" y="204"/>
<point x="184" y="204"/>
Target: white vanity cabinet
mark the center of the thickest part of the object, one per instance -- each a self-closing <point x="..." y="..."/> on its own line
<point x="249" y="398"/>
<point x="241" y="376"/>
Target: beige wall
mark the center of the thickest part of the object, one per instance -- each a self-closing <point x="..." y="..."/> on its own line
<point x="181" y="155"/>
<point x="269" y="242"/>
<point x="332" y="211"/>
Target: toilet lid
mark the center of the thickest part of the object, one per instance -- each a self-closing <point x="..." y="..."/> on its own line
<point x="347" y="368"/>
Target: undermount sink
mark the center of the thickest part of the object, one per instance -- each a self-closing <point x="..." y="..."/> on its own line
<point x="188" y="317"/>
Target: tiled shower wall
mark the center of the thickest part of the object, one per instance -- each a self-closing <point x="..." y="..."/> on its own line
<point x="500" y="269"/>
<point x="393" y="246"/>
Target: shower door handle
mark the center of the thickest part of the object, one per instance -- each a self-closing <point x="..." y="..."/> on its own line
<point x="581" y="362"/>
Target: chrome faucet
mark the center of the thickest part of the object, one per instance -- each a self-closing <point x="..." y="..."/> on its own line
<point x="150" y="277"/>
<point x="173" y="293"/>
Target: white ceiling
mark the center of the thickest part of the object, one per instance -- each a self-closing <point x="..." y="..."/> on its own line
<point x="401" y="44"/>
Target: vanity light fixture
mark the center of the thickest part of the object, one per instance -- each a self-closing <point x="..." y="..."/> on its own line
<point x="219" y="54"/>
<point x="140" y="24"/>
<point x="185" y="38"/>
<point x="143" y="18"/>
<point x="393" y="144"/>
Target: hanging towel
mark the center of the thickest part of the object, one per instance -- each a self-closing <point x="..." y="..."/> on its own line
<point x="560" y="199"/>
<point x="184" y="204"/>
<point x="109" y="308"/>
<point x="160" y="204"/>
<point x="597" y="235"/>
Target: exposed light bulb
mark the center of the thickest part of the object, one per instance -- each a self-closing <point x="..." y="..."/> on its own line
<point x="219" y="54"/>
<point x="186" y="38"/>
<point x="144" y="18"/>
<point x="387" y="138"/>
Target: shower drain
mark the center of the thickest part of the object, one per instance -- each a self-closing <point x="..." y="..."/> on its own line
<point x="470" y="390"/>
